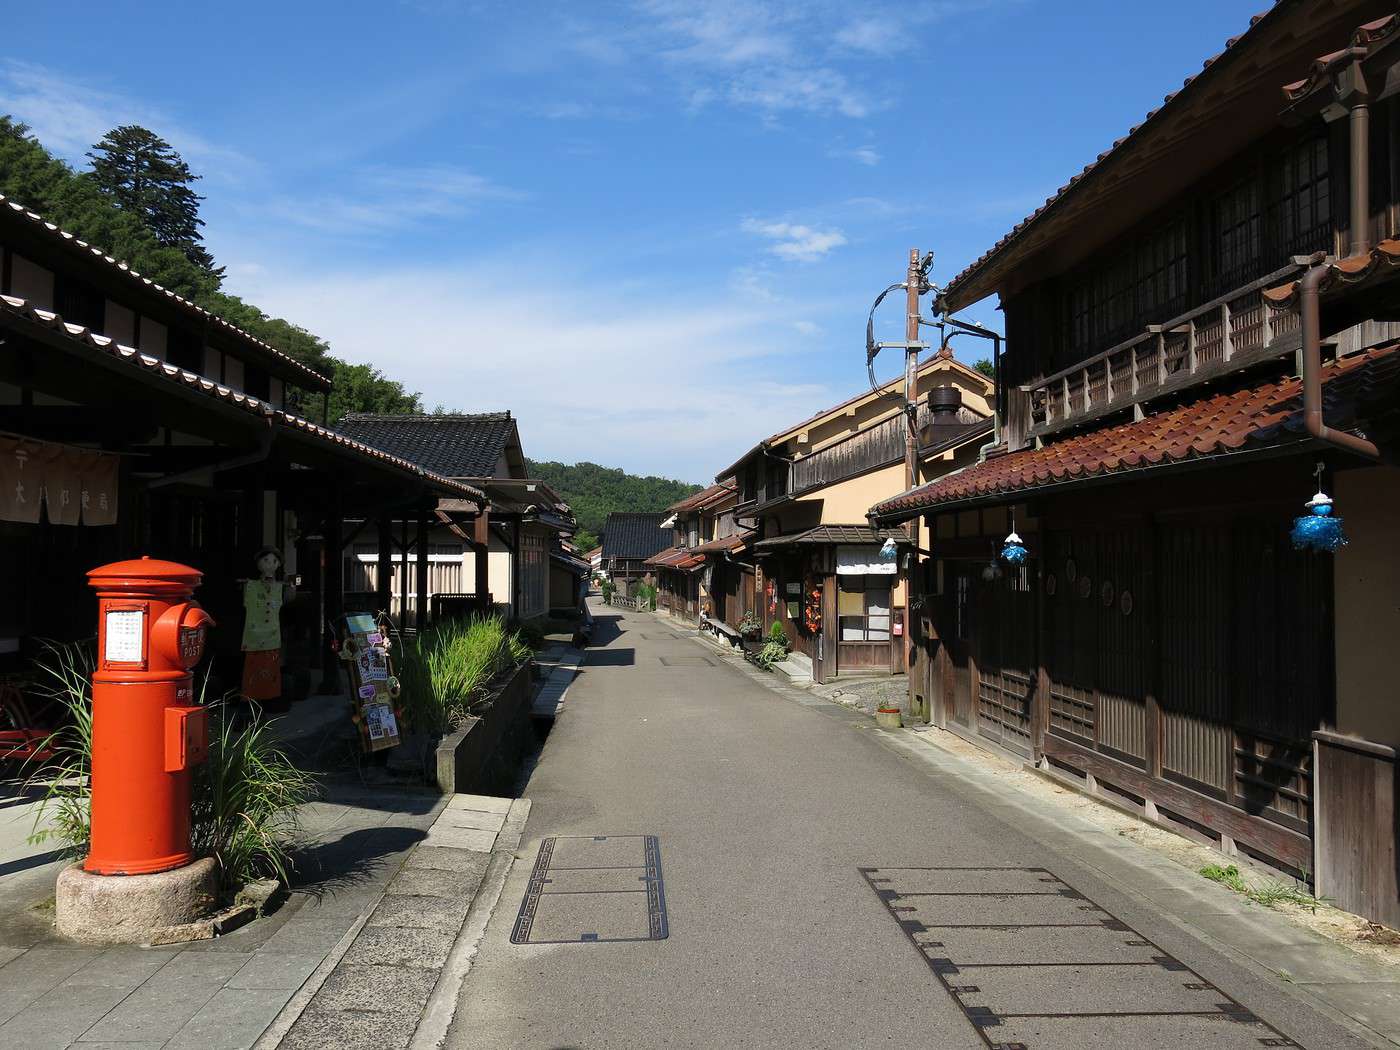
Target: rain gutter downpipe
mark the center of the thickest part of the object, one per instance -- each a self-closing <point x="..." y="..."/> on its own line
<point x="244" y="459"/>
<point x="1312" y="370"/>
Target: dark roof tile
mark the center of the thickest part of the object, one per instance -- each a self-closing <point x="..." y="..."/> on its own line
<point x="635" y="536"/>
<point x="458" y="446"/>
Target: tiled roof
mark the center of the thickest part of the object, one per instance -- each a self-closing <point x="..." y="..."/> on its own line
<point x="13" y="308"/>
<point x="1365" y="38"/>
<point x="635" y="536"/>
<point x="459" y="446"/>
<point x="1351" y="270"/>
<point x="678" y="558"/>
<point x="1256" y="416"/>
<point x="702" y="499"/>
<point x="312" y="378"/>
<point x="861" y="534"/>
<point x="1169" y="103"/>
<point x="725" y="544"/>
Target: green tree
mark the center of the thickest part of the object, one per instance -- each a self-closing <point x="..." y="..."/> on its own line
<point x="584" y="539"/>
<point x="33" y="177"/>
<point x="148" y="179"/>
<point x="594" y="492"/>
<point x="985" y="366"/>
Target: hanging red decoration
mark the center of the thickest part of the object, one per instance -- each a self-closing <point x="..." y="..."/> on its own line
<point x="812" y="614"/>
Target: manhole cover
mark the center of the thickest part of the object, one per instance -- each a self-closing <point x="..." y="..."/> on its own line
<point x="592" y="889"/>
<point x="686" y="661"/>
<point x="1033" y="963"/>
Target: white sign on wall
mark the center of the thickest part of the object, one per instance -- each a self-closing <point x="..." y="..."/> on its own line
<point x="126" y="629"/>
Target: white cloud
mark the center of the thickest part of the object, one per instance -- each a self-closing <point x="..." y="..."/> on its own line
<point x="591" y="372"/>
<point x="867" y="155"/>
<point x="388" y="199"/>
<point x="68" y="116"/>
<point x="795" y="242"/>
<point x="807" y="328"/>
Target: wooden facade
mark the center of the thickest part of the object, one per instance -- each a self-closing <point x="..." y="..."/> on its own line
<point x="1165" y="642"/>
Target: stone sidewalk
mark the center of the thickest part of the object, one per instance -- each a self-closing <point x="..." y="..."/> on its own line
<point x="410" y="952"/>
<point x="205" y="995"/>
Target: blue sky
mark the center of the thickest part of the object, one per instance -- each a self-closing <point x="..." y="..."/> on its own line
<point x="652" y="228"/>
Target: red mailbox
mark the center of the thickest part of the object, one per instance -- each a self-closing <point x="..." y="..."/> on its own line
<point x="147" y="731"/>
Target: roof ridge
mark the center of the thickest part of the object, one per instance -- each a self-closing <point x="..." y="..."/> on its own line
<point x="431" y="417"/>
<point x="124" y="267"/>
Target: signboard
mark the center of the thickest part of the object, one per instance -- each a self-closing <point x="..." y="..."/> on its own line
<point x="125" y="634"/>
<point x="366" y="651"/>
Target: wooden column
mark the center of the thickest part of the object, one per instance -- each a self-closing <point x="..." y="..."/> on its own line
<point x="403" y="572"/>
<point x="421" y="584"/>
<point x="384" y="582"/>
<point x="481" y="536"/>
<point x="332" y="592"/>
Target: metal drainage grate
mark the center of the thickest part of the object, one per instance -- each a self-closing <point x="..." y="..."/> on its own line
<point x="593" y="889"/>
<point x="686" y="661"/>
<point x="1035" y="965"/>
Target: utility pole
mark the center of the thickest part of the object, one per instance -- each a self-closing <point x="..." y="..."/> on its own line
<point x="914" y="288"/>
<point x="914" y="283"/>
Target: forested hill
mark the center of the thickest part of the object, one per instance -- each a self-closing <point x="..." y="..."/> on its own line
<point x="594" y="492"/>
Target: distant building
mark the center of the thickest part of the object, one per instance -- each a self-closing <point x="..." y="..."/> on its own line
<point x="629" y="539"/>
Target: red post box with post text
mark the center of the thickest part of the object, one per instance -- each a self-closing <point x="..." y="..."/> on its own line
<point x="148" y="733"/>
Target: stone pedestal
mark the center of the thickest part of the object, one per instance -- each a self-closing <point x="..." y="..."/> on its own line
<point x="133" y="909"/>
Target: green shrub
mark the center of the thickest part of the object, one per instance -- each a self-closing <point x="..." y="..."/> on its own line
<point x="771" y="653"/>
<point x="777" y="636"/>
<point x="245" y="794"/>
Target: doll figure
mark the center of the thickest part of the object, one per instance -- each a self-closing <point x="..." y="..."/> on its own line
<point x="263" y="599"/>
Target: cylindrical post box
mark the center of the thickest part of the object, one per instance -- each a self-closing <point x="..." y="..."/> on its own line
<point x="147" y="731"/>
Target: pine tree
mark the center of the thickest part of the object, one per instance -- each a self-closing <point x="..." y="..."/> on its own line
<point x="147" y="178"/>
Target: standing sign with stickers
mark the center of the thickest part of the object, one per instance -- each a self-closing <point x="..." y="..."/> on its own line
<point x="374" y="688"/>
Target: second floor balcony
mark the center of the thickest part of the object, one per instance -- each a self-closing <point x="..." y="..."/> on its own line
<point x="1227" y="333"/>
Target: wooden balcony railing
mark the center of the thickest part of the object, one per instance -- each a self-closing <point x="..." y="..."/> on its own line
<point x="1227" y="333"/>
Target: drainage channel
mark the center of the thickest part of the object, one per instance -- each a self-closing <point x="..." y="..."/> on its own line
<point x="593" y="889"/>
<point x="1036" y="965"/>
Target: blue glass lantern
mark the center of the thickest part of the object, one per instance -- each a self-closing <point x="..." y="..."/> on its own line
<point x="1318" y="530"/>
<point x="1013" y="551"/>
<point x="889" y="551"/>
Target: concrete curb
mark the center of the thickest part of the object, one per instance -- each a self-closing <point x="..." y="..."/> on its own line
<point x="274" y="1033"/>
<point x="441" y="1008"/>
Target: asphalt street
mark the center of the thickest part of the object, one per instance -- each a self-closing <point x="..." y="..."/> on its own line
<point x="710" y="863"/>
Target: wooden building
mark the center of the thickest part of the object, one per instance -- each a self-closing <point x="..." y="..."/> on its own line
<point x="629" y="539"/>
<point x="806" y="490"/>
<point x="1195" y="323"/>
<point x="527" y="519"/>
<point x="692" y="574"/>
<point x="134" y="423"/>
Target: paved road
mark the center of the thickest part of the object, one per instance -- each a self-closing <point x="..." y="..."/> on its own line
<point x="765" y="812"/>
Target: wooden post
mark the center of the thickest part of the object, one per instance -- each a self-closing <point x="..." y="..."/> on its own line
<point x="332" y="592"/>
<point x="420" y="620"/>
<point x="403" y="572"/>
<point x="481" y="537"/>
<point x="384" y="579"/>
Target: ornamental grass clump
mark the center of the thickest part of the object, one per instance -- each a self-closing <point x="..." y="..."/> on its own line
<point x="245" y="795"/>
<point x="447" y="670"/>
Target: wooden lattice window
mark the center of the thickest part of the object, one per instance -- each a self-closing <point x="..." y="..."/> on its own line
<point x="1162" y="274"/>
<point x="1239" y="235"/>
<point x="1302" y="207"/>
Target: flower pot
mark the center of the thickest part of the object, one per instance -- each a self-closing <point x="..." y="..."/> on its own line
<point x="888" y="718"/>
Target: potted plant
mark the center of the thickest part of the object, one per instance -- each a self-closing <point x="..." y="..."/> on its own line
<point x="888" y="715"/>
<point x="750" y="627"/>
<point x="775" y="649"/>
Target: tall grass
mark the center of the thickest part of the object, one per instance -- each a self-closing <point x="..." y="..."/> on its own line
<point x="449" y="668"/>
<point x="245" y="794"/>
